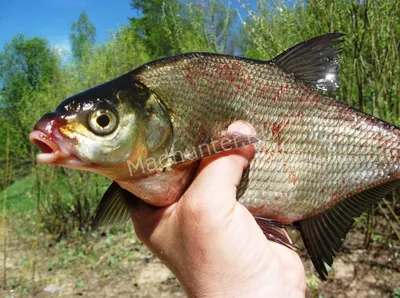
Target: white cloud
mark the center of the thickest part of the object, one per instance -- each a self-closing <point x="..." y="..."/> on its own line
<point x="63" y="47"/>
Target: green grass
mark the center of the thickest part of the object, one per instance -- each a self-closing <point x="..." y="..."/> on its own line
<point x="20" y="198"/>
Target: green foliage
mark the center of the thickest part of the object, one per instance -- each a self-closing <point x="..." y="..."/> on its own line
<point x="20" y="198"/>
<point x="210" y="28"/>
<point x="66" y="199"/>
<point x="26" y="63"/>
<point x="171" y="27"/>
<point x="151" y="27"/>
<point x="122" y="53"/>
<point x="82" y="36"/>
<point x="313" y="282"/>
<point x="370" y="61"/>
<point x="29" y="70"/>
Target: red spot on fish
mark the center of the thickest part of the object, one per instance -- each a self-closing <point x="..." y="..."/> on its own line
<point x="372" y="156"/>
<point x="361" y="145"/>
<point x="247" y="82"/>
<point x="235" y="75"/>
<point x="264" y="90"/>
<point x="189" y="79"/>
<point x="322" y="190"/>
<point x="300" y="115"/>
<point x="256" y="210"/>
<point x="276" y="128"/>
<point x="224" y="94"/>
<point x="284" y="164"/>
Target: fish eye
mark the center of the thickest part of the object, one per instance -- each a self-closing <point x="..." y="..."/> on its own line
<point x="102" y="121"/>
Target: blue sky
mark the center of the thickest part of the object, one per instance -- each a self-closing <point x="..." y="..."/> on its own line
<point x="52" y="19"/>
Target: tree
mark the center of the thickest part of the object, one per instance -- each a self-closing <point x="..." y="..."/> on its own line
<point x="82" y="36"/>
<point x="29" y="70"/>
<point x="151" y="26"/>
<point x="214" y="24"/>
<point x="122" y="53"/>
<point x="171" y="27"/>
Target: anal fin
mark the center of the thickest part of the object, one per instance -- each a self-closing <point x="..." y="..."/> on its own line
<point x="275" y="231"/>
<point x="323" y="234"/>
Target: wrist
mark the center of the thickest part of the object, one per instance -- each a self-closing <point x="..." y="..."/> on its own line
<point x="246" y="292"/>
<point x="265" y="281"/>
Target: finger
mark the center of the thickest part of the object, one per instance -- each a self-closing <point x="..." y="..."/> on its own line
<point x="218" y="176"/>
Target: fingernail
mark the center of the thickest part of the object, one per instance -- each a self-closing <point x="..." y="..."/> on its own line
<point x="242" y="127"/>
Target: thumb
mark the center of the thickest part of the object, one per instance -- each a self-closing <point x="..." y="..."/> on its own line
<point x="218" y="176"/>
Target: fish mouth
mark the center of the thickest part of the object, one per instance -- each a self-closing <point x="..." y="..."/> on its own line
<point x="54" y="148"/>
<point x="52" y="153"/>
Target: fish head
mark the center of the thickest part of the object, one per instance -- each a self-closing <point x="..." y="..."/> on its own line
<point x="100" y="128"/>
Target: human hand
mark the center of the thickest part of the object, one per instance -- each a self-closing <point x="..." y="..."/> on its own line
<point x="212" y="243"/>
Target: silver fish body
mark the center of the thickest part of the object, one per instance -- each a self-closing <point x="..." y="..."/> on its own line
<point x="313" y="151"/>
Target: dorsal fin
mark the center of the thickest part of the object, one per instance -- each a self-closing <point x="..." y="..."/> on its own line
<point x="324" y="233"/>
<point x="314" y="61"/>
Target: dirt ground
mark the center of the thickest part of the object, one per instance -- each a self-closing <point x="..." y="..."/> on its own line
<point x="118" y="265"/>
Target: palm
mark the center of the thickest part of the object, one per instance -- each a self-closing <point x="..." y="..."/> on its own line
<point x="212" y="243"/>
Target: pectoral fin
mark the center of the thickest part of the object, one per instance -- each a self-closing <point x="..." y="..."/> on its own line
<point x="113" y="207"/>
<point x="323" y="234"/>
<point x="224" y="142"/>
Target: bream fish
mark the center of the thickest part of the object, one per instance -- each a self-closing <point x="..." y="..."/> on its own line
<point x="319" y="162"/>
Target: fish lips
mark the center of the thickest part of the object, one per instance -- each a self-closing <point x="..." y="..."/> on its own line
<point x="55" y="149"/>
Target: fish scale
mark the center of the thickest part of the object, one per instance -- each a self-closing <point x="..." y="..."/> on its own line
<point x="319" y="163"/>
<point x="303" y="158"/>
